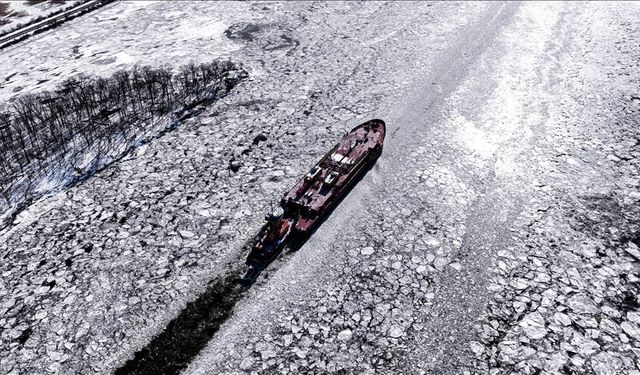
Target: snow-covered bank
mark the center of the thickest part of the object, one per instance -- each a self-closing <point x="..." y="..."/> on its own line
<point x="53" y="139"/>
<point x="16" y="14"/>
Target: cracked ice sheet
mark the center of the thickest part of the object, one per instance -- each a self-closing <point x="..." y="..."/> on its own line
<point x="383" y="307"/>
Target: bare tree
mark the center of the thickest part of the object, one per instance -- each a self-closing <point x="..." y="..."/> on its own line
<point x="39" y="132"/>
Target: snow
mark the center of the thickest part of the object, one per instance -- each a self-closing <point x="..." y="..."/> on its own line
<point x="29" y="12"/>
<point x="474" y="138"/>
<point x="116" y="37"/>
<point x="500" y="124"/>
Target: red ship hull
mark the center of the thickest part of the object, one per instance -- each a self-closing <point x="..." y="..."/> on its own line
<point x="304" y="207"/>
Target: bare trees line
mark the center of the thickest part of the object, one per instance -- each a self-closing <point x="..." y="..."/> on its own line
<point x="90" y="116"/>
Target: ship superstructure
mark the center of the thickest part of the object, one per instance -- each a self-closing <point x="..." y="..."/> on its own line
<point x="304" y="206"/>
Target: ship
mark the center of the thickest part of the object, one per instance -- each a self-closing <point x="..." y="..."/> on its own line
<point x="303" y="208"/>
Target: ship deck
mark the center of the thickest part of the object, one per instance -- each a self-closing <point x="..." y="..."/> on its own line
<point x="319" y="187"/>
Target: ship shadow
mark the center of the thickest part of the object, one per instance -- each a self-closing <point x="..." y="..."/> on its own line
<point x="186" y="335"/>
<point x="173" y="349"/>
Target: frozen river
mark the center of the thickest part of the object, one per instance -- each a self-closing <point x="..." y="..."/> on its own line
<point x="498" y="232"/>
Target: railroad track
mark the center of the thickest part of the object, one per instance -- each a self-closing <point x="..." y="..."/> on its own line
<point x="50" y="22"/>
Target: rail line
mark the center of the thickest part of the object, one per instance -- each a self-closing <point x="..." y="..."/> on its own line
<point x="50" y="22"/>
